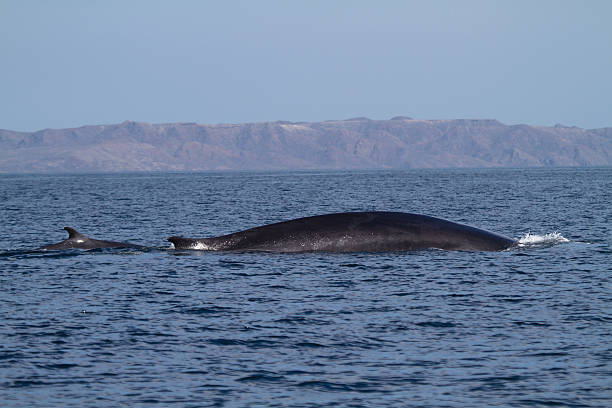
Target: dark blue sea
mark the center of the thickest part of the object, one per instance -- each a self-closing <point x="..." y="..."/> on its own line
<point x="526" y="327"/>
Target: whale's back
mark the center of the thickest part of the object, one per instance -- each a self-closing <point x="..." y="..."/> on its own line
<point x="354" y="232"/>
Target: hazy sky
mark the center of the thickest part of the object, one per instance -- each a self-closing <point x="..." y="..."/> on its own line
<point x="71" y="63"/>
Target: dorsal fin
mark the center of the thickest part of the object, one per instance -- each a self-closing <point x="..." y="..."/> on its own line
<point x="74" y="234"/>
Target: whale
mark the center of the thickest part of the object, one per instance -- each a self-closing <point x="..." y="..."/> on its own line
<point x="377" y="231"/>
<point x="76" y="240"/>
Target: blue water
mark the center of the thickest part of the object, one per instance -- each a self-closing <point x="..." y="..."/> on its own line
<point x="530" y="326"/>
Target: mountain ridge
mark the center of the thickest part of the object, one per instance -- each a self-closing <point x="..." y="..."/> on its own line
<point x="356" y="143"/>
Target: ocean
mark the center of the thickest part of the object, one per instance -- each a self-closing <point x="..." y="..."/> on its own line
<point x="527" y="327"/>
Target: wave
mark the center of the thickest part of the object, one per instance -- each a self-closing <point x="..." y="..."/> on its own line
<point x="528" y="240"/>
<point x="549" y="239"/>
<point x="70" y="252"/>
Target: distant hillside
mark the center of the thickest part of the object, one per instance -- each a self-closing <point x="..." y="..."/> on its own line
<point x="357" y="143"/>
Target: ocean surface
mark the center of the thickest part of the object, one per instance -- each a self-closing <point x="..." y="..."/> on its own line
<point x="526" y="327"/>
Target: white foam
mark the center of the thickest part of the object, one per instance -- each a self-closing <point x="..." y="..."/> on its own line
<point x="552" y="238"/>
<point x="200" y="246"/>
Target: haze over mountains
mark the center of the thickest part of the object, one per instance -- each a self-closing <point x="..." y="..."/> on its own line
<point x="357" y="143"/>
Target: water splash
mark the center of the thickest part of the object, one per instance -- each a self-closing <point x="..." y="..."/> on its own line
<point x="201" y="246"/>
<point x="552" y="238"/>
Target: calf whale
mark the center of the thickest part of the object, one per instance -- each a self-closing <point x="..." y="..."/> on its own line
<point x="353" y="232"/>
<point x="79" y="241"/>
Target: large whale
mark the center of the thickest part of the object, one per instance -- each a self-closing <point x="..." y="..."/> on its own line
<point x="353" y="232"/>
<point x="79" y="241"/>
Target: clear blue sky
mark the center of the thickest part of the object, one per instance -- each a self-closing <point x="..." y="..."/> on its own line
<point x="71" y="63"/>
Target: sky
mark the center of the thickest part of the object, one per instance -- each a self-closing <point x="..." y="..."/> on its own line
<point x="72" y="63"/>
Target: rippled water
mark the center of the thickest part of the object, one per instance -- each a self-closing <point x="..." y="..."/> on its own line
<point x="123" y="327"/>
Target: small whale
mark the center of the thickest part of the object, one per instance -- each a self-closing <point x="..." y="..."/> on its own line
<point x="76" y="240"/>
<point x="354" y="232"/>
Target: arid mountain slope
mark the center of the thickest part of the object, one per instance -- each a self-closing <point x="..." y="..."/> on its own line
<point x="357" y="143"/>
